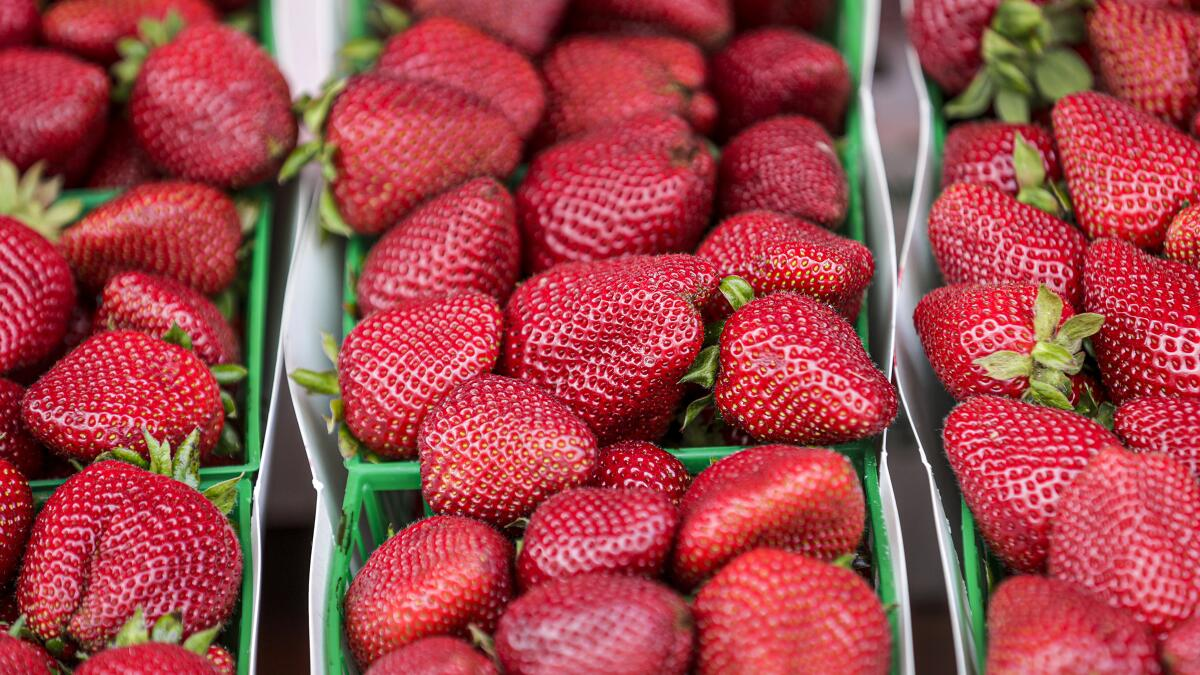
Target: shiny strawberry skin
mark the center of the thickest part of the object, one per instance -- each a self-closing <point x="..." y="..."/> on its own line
<point x="774" y="611"/>
<point x="116" y="384"/>
<point x="589" y="529"/>
<point x="982" y="153"/>
<point x="438" y="655"/>
<point x="20" y="23"/>
<point x="150" y="657"/>
<point x="91" y="28"/>
<point x="16" y="515"/>
<point x="820" y="387"/>
<point x="16" y="445"/>
<point x="980" y="235"/>
<point x="1128" y="529"/>
<point x="397" y="364"/>
<point x="1183" y="237"/>
<point x="1181" y="648"/>
<point x="38" y="296"/>
<point x="706" y="22"/>
<point x="596" y="623"/>
<point x="400" y="143"/>
<point x="21" y="656"/>
<point x="211" y="106"/>
<point x="434" y="577"/>
<point x="947" y="35"/>
<point x="1165" y="424"/>
<point x="1013" y="460"/>
<point x="641" y="464"/>
<point x="786" y="164"/>
<point x="528" y="25"/>
<point x="778" y="71"/>
<point x="611" y="339"/>
<point x="1150" y="341"/>
<point x="640" y="187"/>
<point x="524" y="446"/>
<point x="221" y="660"/>
<point x="186" y="231"/>
<point x="121" y="162"/>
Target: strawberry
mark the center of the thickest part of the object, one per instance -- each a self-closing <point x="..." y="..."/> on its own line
<point x="55" y="110"/>
<point x="527" y="25"/>
<point x="1150" y="343"/>
<point x="611" y="339"/>
<point x="1182" y="240"/>
<point x="643" y="186"/>
<point x="774" y="611"/>
<point x="1181" y="648"/>
<point x="588" y="530"/>
<point x="221" y="660"/>
<point x="807" y="15"/>
<point x="119" y="388"/>
<point x="434" y="577"/>
<point x="154" y="305"/>
<point x="465" y="239"/>
<point x="776" y="496"/>
<point x="524" y="445"/>
<point x="453" y="54"/>
<point x="186" y="231"/>
<point x="92" y="28"/>
<point x="140" y="649"/>
<point x="787" y="164"/>
<point x="1128" y="529"/>
<point x="947" y="36"/>
<point x="596" y="623"/>
<point x="20" y="23"/>
<point x="775" y="71"/>
<point x="39" y="294"/>
<point x="17" y="447"/>
<point x="982" y="153"/>
<point x="1013" y="460"/>
<point x="25" y="657"/>
<point x="706" y="22"/>
<point x="121" y="162"/>
<point x="640" y="464"/>
<point x="438" y="655"/>
<point x="774" y="252"/>
<point x="1165" y="424"/>
<point x="16" y="513"/>
<point x="1128" y="172"/>
<point x="1040" y="625"/>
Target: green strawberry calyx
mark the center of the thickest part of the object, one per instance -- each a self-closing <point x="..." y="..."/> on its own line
<point x="361" y="53"/>
<point x="35" y="199"/>
<point x="167" y="629"/>
<point x="183" y="465"/>
<point x="314" y="111"/>
<point x="1034" y="190"/>
<point x="703" y="371"/>
<point x="325" y="383"/>
<point x="1028" y="61"/>
<point x="152" y="33"/>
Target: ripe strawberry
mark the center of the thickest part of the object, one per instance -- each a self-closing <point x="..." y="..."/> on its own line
<point x="1012" y="461"/>
<point x="20" y="23"/>
<point x="588" y="530"/>
<point x="38" y="296"/>
<point x="611" y="339"/>
<point x="980" y="235"/>
<point x="640" y="464"/>
<point x="707" y="22"/>
<point x="982" y="153"/>
<point x="149" y="657"/>
<point x="221" y="660"/>
<point x="786" y="164"/>
<point x="1150" y="343"/>
<point x="1041" y="625"/>
<point x="775" y="71"/>
<point x="774" y="611"/>
<point x="1159" y="168"/>
<point x="453" y="54"/>
<point x="806" y="15"/>
<point x="186" y="231"/>
<point x="121" y="162"/>
<point x="528" y="25"/>
<point x="774" y="252"/>
<point x="596" y="623"/>
<point x="947" y="36"/>
<point x="55" y="110"/>
<point x="1182" y="241"/>
<point x="17" y="447"/>
<point x="118" y="387"/>
<point x="776" y="496"/>
<point x="92" y="28"/>
<point x="16" y="513"/>
<point x="463" y="240"/>
<point x="1165" y="424"/>
<point x="640" y="187"/>
<point x="434" y="577"/>
<point x="27" y="658"/>
<point x="211" y="106"/>
<point x="438" y="655"/>
<point x="523" y="446"/>
<point x="1181" y="648"/>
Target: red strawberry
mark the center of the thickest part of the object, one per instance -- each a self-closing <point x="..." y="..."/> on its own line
<point x="19" y="23"/>
<point x="596" y="623"/>
<point x="1150" y="343"/>
<point x="1182" y="241"/>
<point x="118" y="387"/>
<point x="774" y="71"/>
<point x="91" y="28"/>
<point x="776" y="496"/>
<point x="153" y="305"/>
<point x="774" y="611"/>
<point x="16" y="445"/>
<point x="1181" y="649"/>
<point x="1128" y="172"/>
<point x="611" y="339"/>
<point x="982" y="153"/>
<point x="26" y="658"/>
<point x="947" y="36"/>
<point x="981" y="235"/>
<point x="774" y="252"/>
<point x="807" y="15"/>
<point x="463" y="240"/>
<point x="434" y="577"/>
<point x="55" y="110"/>
<point x="528" y="25"/>
<point x="1040" y="625"/>
<point x="707" y="22"/>
<point x="1012" y="461"/>
<point x="787" y="164"/>
<point x="221" y="660"/>
<point x="186" y="231"/>
<point x="643" y="186"/>
<point x="149" y="657"/>
<point x="1163" y="424"/>
<point x="1128" y="529"/>
<point x="522" y="446"/>
<point x="16" y="513"/>
<point x="453" y="54"/>
<point x="640" y="464"/>
<point x="121" y="162"/>
<point x="438" y="655"/>
<point x="589" y="530"/>
<point x="38" y="296"/>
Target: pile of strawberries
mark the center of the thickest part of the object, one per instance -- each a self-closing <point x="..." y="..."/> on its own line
<point x="1069" y="330"/>
<point x="119" y="340"/>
